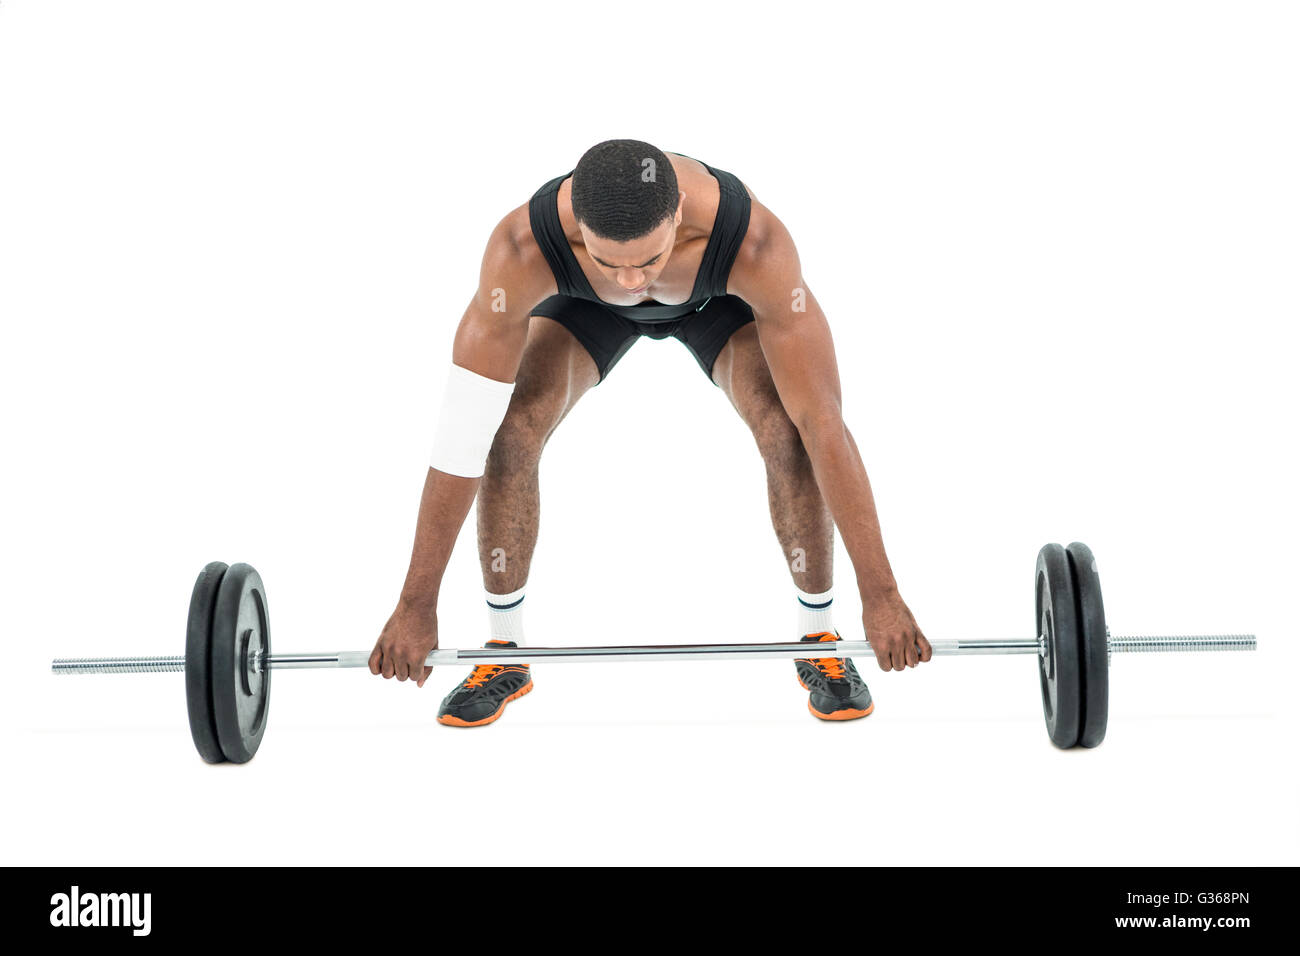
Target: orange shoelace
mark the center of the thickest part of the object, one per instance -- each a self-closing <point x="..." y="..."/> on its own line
<point x="832" y="667"/>
<point x="482" y="674"/>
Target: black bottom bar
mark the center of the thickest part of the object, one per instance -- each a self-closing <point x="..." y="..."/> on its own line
<point x="1225" y="908"/>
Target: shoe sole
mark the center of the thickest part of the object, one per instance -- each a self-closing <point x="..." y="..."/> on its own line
<point x="449" y="720"/>
<point x="849" y="713"/>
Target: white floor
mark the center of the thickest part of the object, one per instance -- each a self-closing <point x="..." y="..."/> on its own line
<point x="664" y="764"/>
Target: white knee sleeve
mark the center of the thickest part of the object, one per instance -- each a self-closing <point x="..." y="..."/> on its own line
<point x="473" y="408"/>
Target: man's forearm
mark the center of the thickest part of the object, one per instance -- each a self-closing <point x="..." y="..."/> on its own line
<point x="844" y="485"/>
<point x="443" y="506"/>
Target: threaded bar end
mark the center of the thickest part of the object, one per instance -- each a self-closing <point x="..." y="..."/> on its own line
<point x="117" y="665"/>
<point x="1186" y="642"/>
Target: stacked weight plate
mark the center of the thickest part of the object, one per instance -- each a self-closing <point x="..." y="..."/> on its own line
<point x="1073" y="666"/>
<point x="226" y="694"/>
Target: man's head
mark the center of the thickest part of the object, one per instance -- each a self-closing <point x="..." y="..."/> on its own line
<point x="628" y="207"/>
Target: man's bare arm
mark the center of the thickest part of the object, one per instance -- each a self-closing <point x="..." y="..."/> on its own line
<point x="796" y="342"/>
<point x="489" y="342"/>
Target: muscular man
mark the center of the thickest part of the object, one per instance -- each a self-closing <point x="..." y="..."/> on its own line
<point x="636" y="242"/>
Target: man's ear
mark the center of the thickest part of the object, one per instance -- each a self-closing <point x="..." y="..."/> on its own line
<point x="681" y="203"/>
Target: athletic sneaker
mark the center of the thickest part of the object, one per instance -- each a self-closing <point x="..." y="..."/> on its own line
<point x="481" y="697"/>
<point x="835" y="690"/>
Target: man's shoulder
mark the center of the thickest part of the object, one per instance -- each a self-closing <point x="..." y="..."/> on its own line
<point x="765" y="237"/>
<point x="512" y="241"/>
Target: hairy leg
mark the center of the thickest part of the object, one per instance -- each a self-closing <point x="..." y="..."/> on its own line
<point x="554" y="373"/>
<point x="799" y="514"/>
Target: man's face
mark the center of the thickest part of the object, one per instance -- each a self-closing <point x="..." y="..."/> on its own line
<point x="634" y="265"/>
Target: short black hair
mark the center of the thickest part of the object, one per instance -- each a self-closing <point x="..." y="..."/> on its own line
<point x="623" y="189"/>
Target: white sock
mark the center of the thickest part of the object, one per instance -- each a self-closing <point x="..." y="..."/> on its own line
<point x="814" y="612"/>
<point x="506" y="616"/>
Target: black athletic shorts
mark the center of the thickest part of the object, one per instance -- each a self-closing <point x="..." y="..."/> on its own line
<point x="606" y="335"/>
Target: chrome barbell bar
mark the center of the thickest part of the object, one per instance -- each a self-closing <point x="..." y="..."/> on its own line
<point x="659" y="652"/>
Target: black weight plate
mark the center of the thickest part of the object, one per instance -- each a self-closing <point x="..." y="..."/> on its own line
<point x="240" y="697"/>
<point x="198" y="663"/>
<point x="1058" y="669"/>
<point x="1093" y="661"/>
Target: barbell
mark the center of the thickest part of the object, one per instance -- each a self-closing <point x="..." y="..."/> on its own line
<point x="228" y="660"/>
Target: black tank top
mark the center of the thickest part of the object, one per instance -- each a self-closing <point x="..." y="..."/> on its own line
<point x="729" y="226"/>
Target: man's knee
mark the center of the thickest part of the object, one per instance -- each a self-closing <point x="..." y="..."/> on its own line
<point x="519" y="441"/>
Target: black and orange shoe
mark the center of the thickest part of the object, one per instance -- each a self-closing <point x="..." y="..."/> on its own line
<point x="481" y="697"/>
<point x="835" y="690"/>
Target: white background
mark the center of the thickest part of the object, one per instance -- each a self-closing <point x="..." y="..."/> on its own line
<point x="1057" y="245"/>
